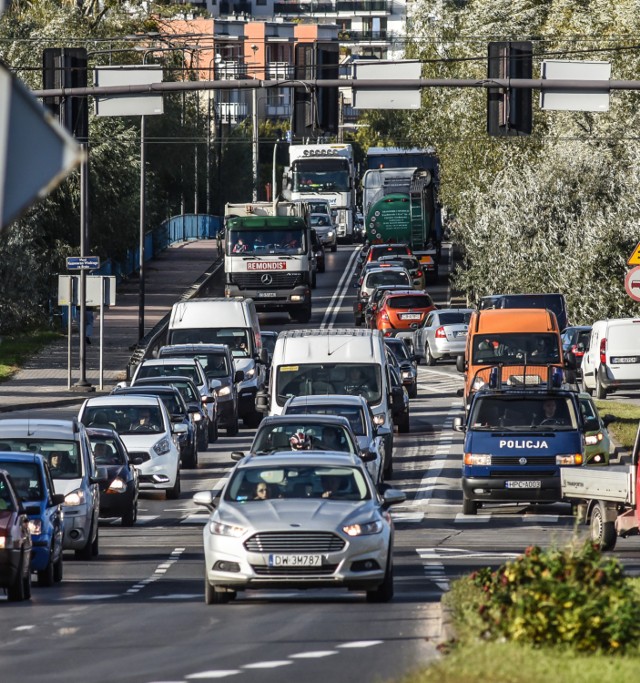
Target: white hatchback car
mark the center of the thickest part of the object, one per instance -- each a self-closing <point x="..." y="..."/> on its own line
<point x="146" y="430"/>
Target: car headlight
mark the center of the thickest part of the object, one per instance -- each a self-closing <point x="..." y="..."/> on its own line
<point x="118" y="485"/>
<point x="478" y="383"/>
<point x="330" y="233"/>
<point x="162" y="447"/>
<point x="406" y="374"/>
<point x="74" y="497"/>
<point x="374" y="527"/>
<point x="593" y="439"/>
<point x="220" y="529"/>
<point x="378" y="420"/>
<point x="197" y="417"/>
<point x="481" y="459"/>
<point x="249" y="374"/>
<point x="224" y="391"/>
<point x="570" y="459"/>
<point x="3" y="542"/>
<point x="35" y="527"/>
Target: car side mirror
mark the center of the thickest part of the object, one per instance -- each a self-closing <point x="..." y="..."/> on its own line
<point x="237" y="455"/>
<point x="393" y="497"/>
<point x="238" y="376"/>
<point x="367" y="455"/>
<point x="57" y="498"/>
<point x="204" y="498"/>
<point x="608" y="419"/>
<point x="179" y="429"/>
<point x="460" y="392"/>
<point x="458" y="424"/>
<point x="193" y="408"/>
<point x="262" y="402"/>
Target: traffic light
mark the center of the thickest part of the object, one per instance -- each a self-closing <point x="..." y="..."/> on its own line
<point x="509" y="110"/>
<point x="66" y="67"/>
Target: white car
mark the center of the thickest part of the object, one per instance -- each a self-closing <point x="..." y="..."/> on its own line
<point x="325" y="229"/>
<point x="298" y="520"/>
<point x="145" y="428"/>
<point x="356" y="410"/>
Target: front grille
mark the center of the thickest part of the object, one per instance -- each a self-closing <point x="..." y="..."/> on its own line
<point x="137" y="458"/>
<point x="295" y="542"/>
<point x="279" y="280"/>
<point x="532" y="461"/>
<point x="521" y="474"/>
<point x="325" y="570"/>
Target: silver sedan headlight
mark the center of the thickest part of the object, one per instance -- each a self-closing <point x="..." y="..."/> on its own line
<point x="366" y="529"/>
<point x="221" y="529"/>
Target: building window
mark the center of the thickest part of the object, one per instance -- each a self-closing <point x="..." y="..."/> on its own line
<point x="278" y="52"/>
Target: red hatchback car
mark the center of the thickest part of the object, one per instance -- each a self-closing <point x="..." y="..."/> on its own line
<point x="402" y="311"/>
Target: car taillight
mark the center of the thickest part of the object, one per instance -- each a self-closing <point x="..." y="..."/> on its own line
<point x="603" y="350"/>
<point x="360" y="305"/>
<point x="440" y="333"/>
<point x="418" y="273"/>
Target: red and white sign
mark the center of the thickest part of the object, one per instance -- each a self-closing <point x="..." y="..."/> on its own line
<point x="266" y="265"/>
<point x="632" y="283"/>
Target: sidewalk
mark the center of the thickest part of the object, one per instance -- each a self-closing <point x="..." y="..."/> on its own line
<point x="43" y="380"/>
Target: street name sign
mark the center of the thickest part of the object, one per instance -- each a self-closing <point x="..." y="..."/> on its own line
<point x="83" y="262"/>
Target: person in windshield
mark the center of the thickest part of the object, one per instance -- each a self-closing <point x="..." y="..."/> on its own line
<point x="262" y="492"/>
<point x="290" y="241"/>
<point x="145" y="422"/>
<point x="239" y="247"/>
<point x="355" y="383"/>
<point x="551" y="413"/>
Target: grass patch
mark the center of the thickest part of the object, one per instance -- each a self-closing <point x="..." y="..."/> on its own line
<point x="626" y="425"/>
<point x="16" y="349"/>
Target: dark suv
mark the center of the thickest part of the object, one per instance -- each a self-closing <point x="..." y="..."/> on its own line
<point x="217" y="361"/>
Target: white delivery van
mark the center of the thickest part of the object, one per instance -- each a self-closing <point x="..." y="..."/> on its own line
<point x="333" y="361"/>
<point x="613" y="358"/>
<point x="231" y="321"/>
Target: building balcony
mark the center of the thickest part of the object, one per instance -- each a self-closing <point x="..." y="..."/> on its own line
<point x="279" y="71"/>
<point x="277" y="111"/>
<point x="237" y="7"/>
<point x="232" y="112"/>
<point x="225" y="71"/>
<point x="363" y="36"/>
<point x="351" y="7"/>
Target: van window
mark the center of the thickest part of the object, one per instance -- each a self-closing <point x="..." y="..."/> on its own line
<point x="515" y="349"/>
<point x="546" y="412"/>
<point x="236" y="338"/>
<point x="314" y="379"/>
<point x="63" y="456"/>
<point x="352" y="413"/>
<point x="410" y="301"/>
<point x="26" y="479"/>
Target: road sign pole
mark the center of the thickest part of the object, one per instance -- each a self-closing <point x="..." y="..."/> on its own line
<point x="102" y="298"/>
<point x="142" y="220"/>
<point x="69" y="332"/>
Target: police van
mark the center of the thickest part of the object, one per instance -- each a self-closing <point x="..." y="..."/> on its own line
<point x="518" y="434"/>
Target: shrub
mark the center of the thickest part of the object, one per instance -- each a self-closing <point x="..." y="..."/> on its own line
<point x="571" y="596"/>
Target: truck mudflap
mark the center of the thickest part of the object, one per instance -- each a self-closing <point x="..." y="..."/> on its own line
<point x="532" y="489"/>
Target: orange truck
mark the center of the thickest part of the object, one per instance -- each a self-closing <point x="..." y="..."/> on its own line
<point x="519" y="340"/>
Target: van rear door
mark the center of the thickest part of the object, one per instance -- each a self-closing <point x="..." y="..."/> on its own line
<point x="623" y="349"/>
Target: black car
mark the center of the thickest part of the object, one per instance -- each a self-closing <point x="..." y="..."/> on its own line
<point x="194" y="402"/>
<point x="399" y="401"/>
<point x="406" y="364"/>
<point x="119" y="480"/>
<point x="179" y="414"/>
<point x="218" y="364"/>
<point x="318" y="251"/>
<point x="15" y="543"/>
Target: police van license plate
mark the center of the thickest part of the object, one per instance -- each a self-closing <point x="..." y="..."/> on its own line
<point x="523" y="484"/>
<point x="267" y="295"/>
<point x="295" y="560"/>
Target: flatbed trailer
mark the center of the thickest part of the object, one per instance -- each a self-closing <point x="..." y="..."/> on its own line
<point x="607" y="498"/>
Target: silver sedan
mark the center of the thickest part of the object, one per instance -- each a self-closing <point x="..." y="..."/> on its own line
<point x="298" y="521"/>
<point x="443" y="335"/>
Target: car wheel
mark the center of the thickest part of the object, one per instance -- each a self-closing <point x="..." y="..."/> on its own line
<point x="384" y="592"/>
<point x="95" y="546"/>
<point x="603" y="533"/>
<point x="131" y="515"/>
<point x="191" y="463"/>
<point x="213" y="431"/>
<point x="174" y="492"/>
<point x="358" y="322"/>
<point x="469" y="507"/>
<point x="16" y="591"/>
<point x="45" y="576"/>
<point x="252" y="420"/>
<point x="403" y="425"/>
<point x="58" y="569"/>
<point x="27" y="586"/>
<point x="233" y="427"/>
<point x="313" y="281"/>
<point x="428" y="358"/>
<point x="388" y="470"/>
<point x="601" y="392"/>
<point x="460" y="363"/>
<point x="84" y="553"/>
<point x="413" y="390"/>
<point x="214" y="597"/>
<point x="334" y="247"/>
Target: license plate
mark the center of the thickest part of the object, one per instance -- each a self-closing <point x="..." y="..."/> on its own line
<point x="295" y="560"/>
<point x="617" y="360"/>
<point x="410" y="316"/>
<point x="523" y="484"/>
<point x="460" y="334"/>
<point x="267" y="295"/>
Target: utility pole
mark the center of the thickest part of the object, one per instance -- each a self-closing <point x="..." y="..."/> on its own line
<point x="254" y="100"/>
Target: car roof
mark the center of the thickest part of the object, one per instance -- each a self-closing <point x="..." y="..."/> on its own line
<point x="194" y="348"/>
<point x="302" y="458"/>
<point x="454" y="310"/>
<point x="403" y="292"/>
<point x="40" y="428"/>
<point x="327" y="399"/>
<point x="165" y="379"/>
<point x="171" y="361"/>
<point x="117" y="399"/>
<point x="309" y="418"/>
<point x="15" y="456"/>
<point x="139" y="389"/>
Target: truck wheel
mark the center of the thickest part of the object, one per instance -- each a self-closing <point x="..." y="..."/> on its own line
<point x="601" y="392"/>
<point x="603" y="533"/>
<point x="469" y="507"/>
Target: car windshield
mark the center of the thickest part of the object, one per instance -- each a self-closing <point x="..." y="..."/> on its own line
<point x="527" y="413"/>
<point x="289" y="240"/>
<point x="453" y="318"/>
<point x="399" y="350"/>
<point x="185" y="388"/>
<point x="236" y="338"/>
<point x="125" y="419"/>
<point x="296" y="482"/>
<point x="63" y="456"/>
<point x="162" y="370"/>
<point x="386" y="277"/>
<point x="516" y="349"/>
<point x="318" y="207"/>
<point x="215" y="364"/>
<point x="276" y="437"/>
<point x="320" y="220"/>
<point x="106" y="451"/>
<point x="352" y="413"/>
<point x="410" y="301"/>
<point x="321" y="175"/>
<point x="398" y="250"/>
<point x="312" y="379"/>
<point x="269" y="343"/>
<point x="26" y="479"/>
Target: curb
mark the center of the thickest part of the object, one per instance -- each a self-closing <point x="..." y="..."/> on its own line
<point x="447" y="629"/>
<point x="52" y="403"/>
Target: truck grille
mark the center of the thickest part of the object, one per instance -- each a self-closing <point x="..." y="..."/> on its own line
<point x="522" y="474"/>
<point x="532" y="461"/>
<point x="281" y="280"/>
<point x="294" y="542"/>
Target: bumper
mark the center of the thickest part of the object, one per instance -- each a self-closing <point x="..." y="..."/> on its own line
<point x="276" y="298"/>
<point x="495" y="489"/>
<point x="77" y="526"/>
<point x="344" y="569"/>
<point x="116" y="504"/>
<point x="605" y="375"/>
<point x="444" y="349"/>
<point x="159" y="473"/>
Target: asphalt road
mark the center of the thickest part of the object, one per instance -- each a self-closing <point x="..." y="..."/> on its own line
<point x="137" y="612"/>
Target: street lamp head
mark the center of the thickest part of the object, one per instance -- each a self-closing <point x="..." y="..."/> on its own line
<point x="254" y="47"/>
